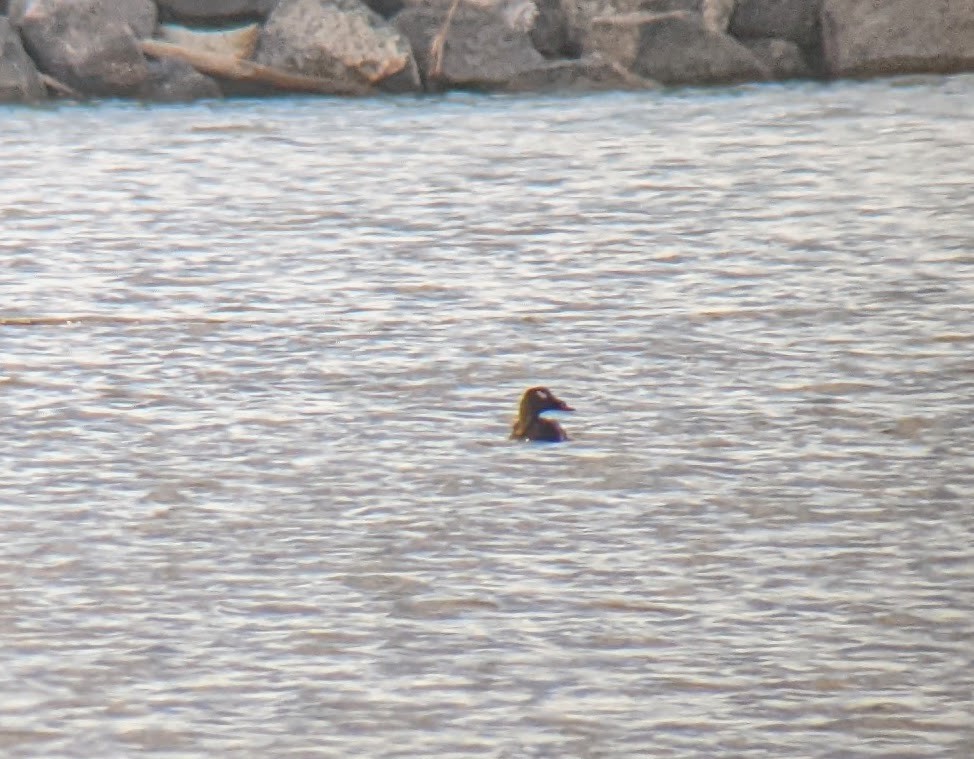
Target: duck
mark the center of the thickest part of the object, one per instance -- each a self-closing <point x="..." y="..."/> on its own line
<point x="530" y="426"/>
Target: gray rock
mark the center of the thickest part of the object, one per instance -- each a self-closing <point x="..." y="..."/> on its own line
<point x="19" y="79"/>
<point x="783" y="58"/>
<point x="668" y="6"/>
<point x="581" y="13"/>
<point x="141" y="15"/>
<point x="897" y="36"/>
<point x="551" y="33"/>
<point x="386" y="8"/>
<point x="172" y="81"/>
<point x="519" y="15"/>
<point x="717" y="14"/>
<point x="215" y="11"/>
<point x="15" y="10"/>
<point x="342" y="40"/>
<point x="481" y="51"/>
<point x="674" y="48"/>
<point x="90" y="45"/>
<point x="590" y="74"/>
<point x="795" y="20"/>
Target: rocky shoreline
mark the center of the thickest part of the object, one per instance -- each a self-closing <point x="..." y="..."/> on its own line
<point x="180" y="50"/>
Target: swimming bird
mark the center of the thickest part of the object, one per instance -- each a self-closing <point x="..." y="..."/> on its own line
<point x="530" y="426"/>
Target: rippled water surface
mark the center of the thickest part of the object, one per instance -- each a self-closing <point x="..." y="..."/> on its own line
<point x="259" y="363"/>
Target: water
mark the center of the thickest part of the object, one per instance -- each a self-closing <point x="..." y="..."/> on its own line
<point x="259" y="363"/>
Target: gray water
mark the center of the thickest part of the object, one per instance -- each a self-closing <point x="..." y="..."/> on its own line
<point x="259" y="364"/>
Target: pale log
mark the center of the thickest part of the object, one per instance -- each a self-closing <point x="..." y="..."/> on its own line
<point x="229" y="67"/>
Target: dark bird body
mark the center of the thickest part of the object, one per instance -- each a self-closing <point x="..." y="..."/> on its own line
<point x="530" y="426"/>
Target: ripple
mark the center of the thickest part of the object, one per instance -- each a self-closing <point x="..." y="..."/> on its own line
<point x="260" y="360"/>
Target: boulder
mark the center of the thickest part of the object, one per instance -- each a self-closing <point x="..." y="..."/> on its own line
<point x="14" y="10"/>
<point x="783" y="58"/>
<point x="590" y="74"/>
<point x="20" y="80"/>
<point x="717" y="14"/>
<point x="795" y="20"/>
<point x="581" y="13"/>
<point x="90" y="45"/>
<point x="215" y="11"/>
<point x="240" y="42"/>
<point x="674" y="48"/>
<point x="479" y="50"/>
<point x="519" y="15"/>
<point x="897" y="36"/>
<point x="551" y="33"/>
<point x="386" y="8"/>
<point x="172" y="81"/>
<point x="140" y="15"/>
<point x="338" y="39"/>
<point x="668" y="6"/>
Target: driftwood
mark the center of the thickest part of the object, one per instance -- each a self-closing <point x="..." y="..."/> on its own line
<point x="438" y="45"/>
<point x="230" y="67"/>
<point x="61" y="88"/>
